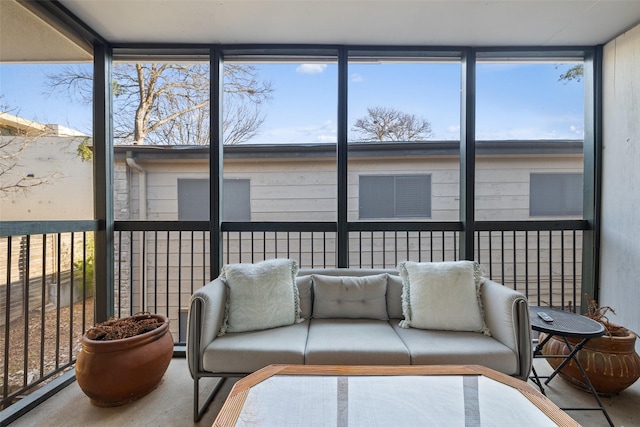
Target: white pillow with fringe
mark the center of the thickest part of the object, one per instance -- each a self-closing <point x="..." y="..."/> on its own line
<point x="442" y="296"/>
<point x="260" y="296"/>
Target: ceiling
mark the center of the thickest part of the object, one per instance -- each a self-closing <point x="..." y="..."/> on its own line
<point x="385" y="22"/>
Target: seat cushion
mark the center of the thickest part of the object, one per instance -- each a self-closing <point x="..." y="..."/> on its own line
<point x="429" y="347"/>
<point x="354" y="342"/>
<point x="245" y="352"/>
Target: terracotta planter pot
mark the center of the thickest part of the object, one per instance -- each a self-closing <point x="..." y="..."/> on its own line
<point x="611" y="363"/>
<point x="116" y="372"/>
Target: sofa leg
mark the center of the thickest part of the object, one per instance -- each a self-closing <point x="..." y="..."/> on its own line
<point x="198" y="412"/>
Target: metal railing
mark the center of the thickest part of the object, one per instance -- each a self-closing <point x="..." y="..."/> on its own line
<point x="46" y="301"/>
<point x="158" y="266"/>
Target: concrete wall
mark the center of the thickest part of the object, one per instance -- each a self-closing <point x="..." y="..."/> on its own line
<point x="620" y="246"/>
<point x="67" y="193"/>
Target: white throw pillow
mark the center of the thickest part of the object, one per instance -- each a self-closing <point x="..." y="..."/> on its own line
<point x="260" y="296"/>
<point x="442" y="296"/>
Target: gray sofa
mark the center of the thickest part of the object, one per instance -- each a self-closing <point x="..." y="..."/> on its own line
<point x="354" y="341"/>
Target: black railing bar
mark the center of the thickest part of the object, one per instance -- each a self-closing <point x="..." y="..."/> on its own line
<point x="431" y="245"/>
<point x="455" y="245"/>
<point x="403" y="226"/>
<point x="22" y="228"/>
<point x="299" y="247"/>
<point x="27" y="280"/>
<point x="228" y="244"/>
<point x="192" y="273"/>
<point x="324" y="249"/>
<point x="205" y="279"/>
<point x="532" y="225"/>
<point x="539" y="284"/>
<point x="575" y="283"/>
<point x="161" y="225"/>
<point x="312" y="250"/>
<point x="288" y="244"/>
<point x="155" y="273"/>
<point x="179" y="283"/>
<point x="275" y="244"/>
<point x="279" y="226"/>
<point x="84" y="280"/>
<point x="550" y="268"/>
<point x="515" y="263"/>
<point x="444" y="246"/>
<point x="119" y="277"/>
<point x="58" y="281"/>
<point x="43" y="303"/>
<point x="562" y="268"/>
<point x="167" y="273"/>
<point x="502" y="258"/>
<point x="71" y="285"/>
<point x="130" y="273"/>
<point x="384" y="249"/>
<point x="264" y="245"/>
<point x="143" y="274"/>
<point x="7" y="321"/>
<point x="395" y="248"/>
<point x="526" y="264"/>
<point x="407" y="241"/>
<point x="372" y="254"/>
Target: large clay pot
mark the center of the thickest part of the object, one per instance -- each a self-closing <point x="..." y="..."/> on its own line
<point x="116" y="372"/>
<point x="611" y="363"/>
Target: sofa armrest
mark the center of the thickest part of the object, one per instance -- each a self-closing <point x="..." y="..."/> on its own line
<point x="206" y="313"/>
<point x="506" y="313"/>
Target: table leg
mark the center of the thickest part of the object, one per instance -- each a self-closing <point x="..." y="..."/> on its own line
<point x="587" y="383"/>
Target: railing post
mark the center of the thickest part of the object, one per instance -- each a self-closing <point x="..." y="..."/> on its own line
<point x="592" y="176"/>
<point x="467" y="154"/>
<point x="103" y="183"/>
<point x="342" y="237"/>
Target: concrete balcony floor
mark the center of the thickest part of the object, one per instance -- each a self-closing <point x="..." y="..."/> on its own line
<point x="171" y="404"/>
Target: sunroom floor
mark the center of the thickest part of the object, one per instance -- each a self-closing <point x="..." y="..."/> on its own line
<point x="171" y="404"/>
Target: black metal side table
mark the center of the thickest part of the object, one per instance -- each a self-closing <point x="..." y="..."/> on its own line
<point x="565" y="324"/>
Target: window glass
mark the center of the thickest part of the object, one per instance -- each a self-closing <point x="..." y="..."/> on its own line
<point x="388" y="196"/>
<point x="160" y="120"/>
<point x="530" y="121"/>
<point x="193" y="200"/>
<point x="556" y="194"/>
<point x="280" y="132"/>
<point x="404" y="119"/>
<point x="46" y="162"/>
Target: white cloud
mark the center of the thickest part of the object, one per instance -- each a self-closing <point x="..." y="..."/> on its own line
<point x="311" y="68"/>
<point x="356" y="78"/>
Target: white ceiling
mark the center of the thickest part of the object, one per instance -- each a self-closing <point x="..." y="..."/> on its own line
<point x="386" y="22"/>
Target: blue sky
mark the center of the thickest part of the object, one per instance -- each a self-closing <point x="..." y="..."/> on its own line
<point x="514" y="100"/>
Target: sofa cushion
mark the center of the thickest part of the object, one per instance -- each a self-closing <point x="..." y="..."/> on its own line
<point x="354" y="342"/>
<point x="350" y="297"/>
<point x="394" y="296"/>
<point x="429" y="347"/>
<point x="442" y="295"/>
<point x="260" y="296"/>
<point x="246" y="352"/>
<point x="305" y="294"/>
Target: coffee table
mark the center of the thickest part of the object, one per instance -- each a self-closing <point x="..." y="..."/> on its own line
<point x="469" y="395"/>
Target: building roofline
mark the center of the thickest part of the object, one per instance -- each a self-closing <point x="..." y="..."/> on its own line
<point x="280" y="151"/>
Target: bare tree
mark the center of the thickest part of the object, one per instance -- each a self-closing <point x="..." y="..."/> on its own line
<point x="168" y="103"/>
<point x="390" y="124"/>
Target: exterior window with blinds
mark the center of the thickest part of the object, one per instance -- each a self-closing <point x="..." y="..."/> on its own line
<point x="555" y="194"/>
<point x="394" y="196"/>
<point x="193" y="200"/>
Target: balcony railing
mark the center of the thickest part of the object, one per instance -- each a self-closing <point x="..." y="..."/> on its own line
<point x="46" y="301"/>
<point x="46" y="290"/>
